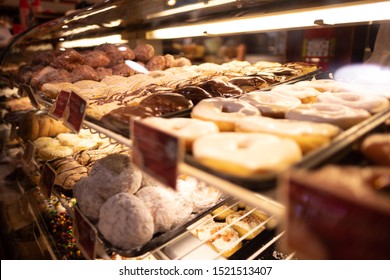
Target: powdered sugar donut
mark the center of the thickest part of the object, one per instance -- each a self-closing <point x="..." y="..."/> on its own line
<point x="184" y="128"/>
<point x="223" y="111"/>
<point x="125" y="221"/>
<point x="115" y="173"/>
<point x="371" y="103"/>
<point x="306" y="94"/>
<point x="88" y="200"/>
<point x="340" y="115"/>
<point x="271" y="104"/>
<point x="309" y="135"/>
<point x="159" y="201"/>
<point x="233" y="153"/>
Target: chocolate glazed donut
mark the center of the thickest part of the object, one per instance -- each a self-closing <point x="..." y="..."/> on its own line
<point x="194" y="93"/>
<point x="218" y="87"/>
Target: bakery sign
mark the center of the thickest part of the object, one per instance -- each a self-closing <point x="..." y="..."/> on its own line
<point x="70" y="108"/>
<point x="156" y="152"/>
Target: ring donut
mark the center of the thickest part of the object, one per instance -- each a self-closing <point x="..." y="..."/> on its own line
<point x="371" y="103"/>
<point x="308" y="135"/>
<point x="271" y="104"/>
<point x="339" y="115"/>
<point x="233" y="152"/>
<point x="304" y="93"/>
<point x="223" y="111"/>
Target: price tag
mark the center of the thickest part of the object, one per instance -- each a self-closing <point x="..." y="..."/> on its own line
<point x="75" y="112"/>
<point x="156" y="152"/>
<point x="58" y="109"/>
<point x="27" y="90"/>
<point x="335" y="226"/>
<point x="46" y="182"/>
<point x="85" y="234"/>
<point x="29" y="152"/>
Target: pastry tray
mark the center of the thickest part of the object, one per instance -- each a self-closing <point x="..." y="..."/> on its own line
<point x="158" y="239"/>
<point x="331" y="152"/>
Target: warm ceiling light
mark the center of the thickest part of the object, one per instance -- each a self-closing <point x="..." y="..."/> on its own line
<point x="361" y="11"/>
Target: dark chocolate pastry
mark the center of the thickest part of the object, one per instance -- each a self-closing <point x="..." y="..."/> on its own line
<point x="194" y="93"/>
<point x="166" y="103"/>
<point x="84" y="72"/>
<point x="218" y="87"/>
<point x="249" y="83"/>
<point x="96" y="59"/>
<point x="116" y="54"/>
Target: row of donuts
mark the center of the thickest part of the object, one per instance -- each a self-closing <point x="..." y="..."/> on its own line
<point x="116" y="97"/>
<point x="241" y="136"/>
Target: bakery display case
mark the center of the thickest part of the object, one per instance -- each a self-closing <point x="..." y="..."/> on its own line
<point x="191" y="157"/>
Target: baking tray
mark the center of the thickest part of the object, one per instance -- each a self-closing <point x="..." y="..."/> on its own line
<point x="336" y="149"/>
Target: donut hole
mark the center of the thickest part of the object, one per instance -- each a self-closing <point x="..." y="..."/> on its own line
<point x="242" y="145"/>
<point x="351" y="98"/>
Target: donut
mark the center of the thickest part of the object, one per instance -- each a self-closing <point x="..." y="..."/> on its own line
<point x="233" y="152"/>
<point x="201" y="195"/>
<point x="271" y="104"/>
<point x="336" y="114"/>
<point x="113" y="174"/>
<point x="376" y="147"/>
<point x="323" y="85"/>
<point x="246" y="224"/>
<point x="54" y="152"/>
<point x="371" y="103"/>
<point x="159" y="201"/>
<point x="223" y="111"/>
<point x="306" y="94"/>
<point x="88" y="200"/>
<point x="125" y="221"/>
<point x="184" y="128"/>
<point x="42" y="142"/>
<point x="308" y="135"/>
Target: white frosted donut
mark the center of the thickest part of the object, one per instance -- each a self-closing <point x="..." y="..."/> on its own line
<point x="246" y="154"/>
<point x="186" y="129"/>
<point x="371" y="103"/>
<point x="340" y="115"/>
<point x="304" y="93"/>
<point x="323" y="85"/>
<point x="223" y="111"/>
<point x="271" y="104"/>
<point x="309" y="135"/>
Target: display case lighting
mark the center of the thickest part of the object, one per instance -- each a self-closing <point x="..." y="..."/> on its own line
<point x="90" y="42"/>
<point x="354" y="12"/>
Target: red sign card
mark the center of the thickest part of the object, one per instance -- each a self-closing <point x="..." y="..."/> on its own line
<point x="85" y="234"/>
<point x="75" y="113"/>
<point x="156" y="152"/>
<point x="58" y="109"/>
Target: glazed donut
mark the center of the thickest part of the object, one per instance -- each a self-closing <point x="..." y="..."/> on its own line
<point x="223" y="111"/>
<point x="233" y="152"/>
<point x="304" y="93"/>
<point x="308" y="135"/>
<point x="54" y="151"/>
<point x="323" y="85"/>
<point x="371" y="103"/>
<point x="339" y="115"/>
<point x="271" y="104"/>
<point x="376" y="147"/>
<point x="184" y="128"/>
